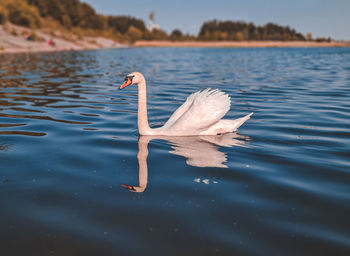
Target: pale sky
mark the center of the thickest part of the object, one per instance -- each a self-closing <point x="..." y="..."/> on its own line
<point x="322" y="18"/>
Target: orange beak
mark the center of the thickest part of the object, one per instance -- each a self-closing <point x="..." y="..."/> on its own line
<point x="126" y="83"/>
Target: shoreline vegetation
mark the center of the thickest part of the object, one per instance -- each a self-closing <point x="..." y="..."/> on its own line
<point x="239" y="44"/>
<point x="13" y="40"/>
<point x="60" y="25"/>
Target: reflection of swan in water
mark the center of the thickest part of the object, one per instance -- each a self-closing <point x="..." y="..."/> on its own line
<point x="200" y="151"/>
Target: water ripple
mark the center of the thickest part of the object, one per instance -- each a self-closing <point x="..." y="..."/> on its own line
<point x="68" y="139"/>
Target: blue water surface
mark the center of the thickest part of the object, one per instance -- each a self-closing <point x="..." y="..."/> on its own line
<point x="69" y="139"/>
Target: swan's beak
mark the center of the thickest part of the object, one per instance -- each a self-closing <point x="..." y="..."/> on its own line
<point x="126" y="83"/>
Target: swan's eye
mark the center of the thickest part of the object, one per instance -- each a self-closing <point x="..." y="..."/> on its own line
<point x="129" y="78"/>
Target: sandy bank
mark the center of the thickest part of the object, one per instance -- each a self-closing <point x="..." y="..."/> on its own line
<point x="239" y="44"/>
<point x="12" y="40"/>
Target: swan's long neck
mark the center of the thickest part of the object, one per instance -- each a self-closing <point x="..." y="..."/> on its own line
<point x="142" y="118"/>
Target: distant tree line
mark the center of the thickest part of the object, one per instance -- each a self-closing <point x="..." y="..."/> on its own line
<point x="239" y="31"/>
<point x="73" y="14"/>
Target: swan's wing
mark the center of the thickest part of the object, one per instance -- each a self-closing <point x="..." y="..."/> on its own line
<point x="207" y="108"/>
<point x="182" y="109"/>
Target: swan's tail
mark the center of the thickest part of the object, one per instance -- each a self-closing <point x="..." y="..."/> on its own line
<point x="238" y="122"/>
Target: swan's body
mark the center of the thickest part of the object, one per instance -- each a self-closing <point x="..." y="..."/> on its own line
<point x="201" y="114"/>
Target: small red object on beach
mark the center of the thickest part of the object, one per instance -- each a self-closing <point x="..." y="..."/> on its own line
<point x="51" y="42"/>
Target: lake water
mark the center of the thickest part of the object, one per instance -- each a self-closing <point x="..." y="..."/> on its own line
<point x="69" y="140"/>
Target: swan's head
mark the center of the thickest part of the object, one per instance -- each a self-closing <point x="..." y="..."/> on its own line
<point x="133" y="78"/>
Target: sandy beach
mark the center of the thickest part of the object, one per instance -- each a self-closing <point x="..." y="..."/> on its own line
<point x="239" y="44"/>
<point x="12" y="40"/>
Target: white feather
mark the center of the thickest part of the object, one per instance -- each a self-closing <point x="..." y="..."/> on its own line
<point x="200" y="111"/>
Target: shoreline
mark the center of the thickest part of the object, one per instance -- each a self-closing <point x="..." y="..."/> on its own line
<point x="12" y="40"/>
<point x="239" y="44"/>
<point x="96" y="43"/>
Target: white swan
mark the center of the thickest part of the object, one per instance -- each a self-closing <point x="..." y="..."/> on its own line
<point x="200" y="114"/>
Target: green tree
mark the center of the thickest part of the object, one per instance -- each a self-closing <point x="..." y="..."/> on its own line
<point x="176" y="34"/>
<point x="134" y="34"/>
<point x="237" y="30"/>
<point x="123" y="23"/>
<point x="22" y="14"/>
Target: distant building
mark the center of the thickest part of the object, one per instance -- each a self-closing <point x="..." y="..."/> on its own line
<point x="152" y="25"/>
